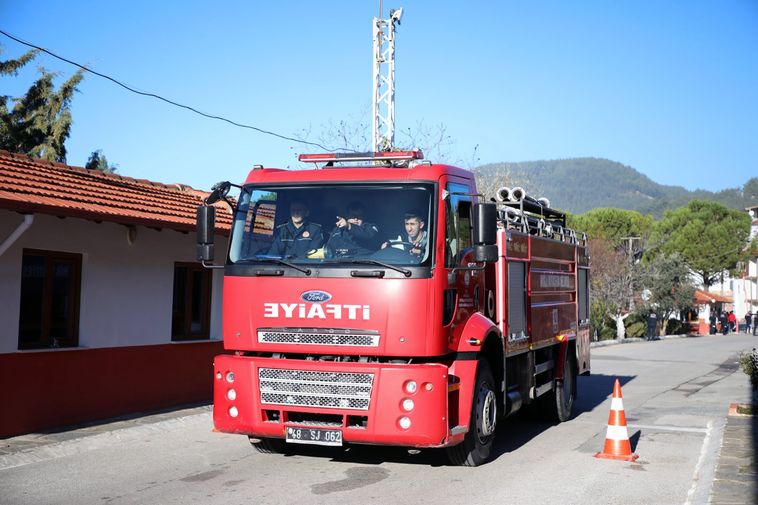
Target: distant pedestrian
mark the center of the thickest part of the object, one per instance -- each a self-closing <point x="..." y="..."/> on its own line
<point x="724" y="320"/>
<point x="713" y="320"/>
<point x="748" y="322"/>
<point x="652" y="324"/>
<point x="732" y="321"/>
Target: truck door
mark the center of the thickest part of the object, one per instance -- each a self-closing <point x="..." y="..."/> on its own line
<point x="463" y="295"/>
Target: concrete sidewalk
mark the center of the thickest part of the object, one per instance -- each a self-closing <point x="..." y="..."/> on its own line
<point x="735" y="479"/>
<point x="35" y="447"/>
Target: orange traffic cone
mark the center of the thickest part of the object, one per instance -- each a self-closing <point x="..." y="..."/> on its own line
<point x="617" y="444"/>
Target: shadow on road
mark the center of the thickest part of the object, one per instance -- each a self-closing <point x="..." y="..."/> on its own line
<point x="513" y="432"/>
<point x="596" y="389"/>
<point x="592" y="391"/>
<point x="634" y="439"/>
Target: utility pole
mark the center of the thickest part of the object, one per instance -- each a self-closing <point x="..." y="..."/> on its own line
<point x="383" y="125"/>
<point x="631" y="268"/>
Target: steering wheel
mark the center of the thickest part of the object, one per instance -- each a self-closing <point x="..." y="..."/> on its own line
<point x="390" y="243"/>
<point x="394" y="254"/>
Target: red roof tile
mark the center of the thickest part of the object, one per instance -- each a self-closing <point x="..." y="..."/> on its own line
<point x="34" y="185"/>
<point x="705" y="297"/>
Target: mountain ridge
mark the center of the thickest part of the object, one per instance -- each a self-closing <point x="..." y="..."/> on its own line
<point x="577" y="185"/>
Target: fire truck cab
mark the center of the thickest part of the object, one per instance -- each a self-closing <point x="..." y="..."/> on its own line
<point x="378" y="299"/>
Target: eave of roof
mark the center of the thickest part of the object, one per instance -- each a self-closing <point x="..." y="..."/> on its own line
<point x="33" y="185"/>
<point x="706" y="297"/>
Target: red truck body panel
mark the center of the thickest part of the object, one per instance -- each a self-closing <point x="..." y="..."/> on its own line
<point x="429" y="425"/>
<point x="373" y="305"/>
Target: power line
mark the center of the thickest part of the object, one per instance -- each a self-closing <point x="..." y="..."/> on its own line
<point x="171" y="102"/>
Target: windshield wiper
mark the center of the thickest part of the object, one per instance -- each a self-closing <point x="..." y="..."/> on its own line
<point x="370" y="261"/>
<point x="306" y="271"/>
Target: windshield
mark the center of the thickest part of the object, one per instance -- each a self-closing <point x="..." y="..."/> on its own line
<point x="330" y="224"/>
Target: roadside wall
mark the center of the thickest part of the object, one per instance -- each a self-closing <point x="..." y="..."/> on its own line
<point x="125" y="361"/>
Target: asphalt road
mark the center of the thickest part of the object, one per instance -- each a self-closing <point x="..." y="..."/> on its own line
<point x="676" y="393"/>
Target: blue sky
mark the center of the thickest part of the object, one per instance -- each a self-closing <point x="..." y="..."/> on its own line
<point x="667" y="87"/>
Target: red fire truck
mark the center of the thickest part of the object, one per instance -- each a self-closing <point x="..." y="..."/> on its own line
<point x="433" y="316"/>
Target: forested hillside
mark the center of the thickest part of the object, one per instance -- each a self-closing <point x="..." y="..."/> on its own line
<point x="580" y="184"/>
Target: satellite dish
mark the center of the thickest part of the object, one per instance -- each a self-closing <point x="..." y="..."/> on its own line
<point x="646" y="294"/>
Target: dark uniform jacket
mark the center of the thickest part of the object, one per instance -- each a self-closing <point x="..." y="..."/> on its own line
<point x="296" y="242"/>
<point x="357" y="240"/>
<point x="652" y="321"/>
<point x="724" y="324"/>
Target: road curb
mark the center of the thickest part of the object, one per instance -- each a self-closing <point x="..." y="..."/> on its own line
<point x="634" y="340"/>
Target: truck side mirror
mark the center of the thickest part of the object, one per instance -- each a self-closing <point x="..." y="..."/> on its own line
<point x="485" y="232"/>
<point x="485" y="253"/>
<point x="206" y="225"/>
<point x="218" y="192"/>
<point x="485" y="224"/>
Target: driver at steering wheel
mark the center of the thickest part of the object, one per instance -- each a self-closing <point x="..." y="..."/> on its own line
<point x="417" y="237"/>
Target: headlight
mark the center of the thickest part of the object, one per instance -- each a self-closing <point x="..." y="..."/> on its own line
<point x="411" y="387"/>
<point x="231" y="395"/>
<point x="407" y="404"/>
<point x="404" y="422"/>
<point x="229" y="377"/>
<point x="233" y="411"/>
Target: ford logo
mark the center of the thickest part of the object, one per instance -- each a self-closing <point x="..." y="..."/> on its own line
<point x="316" y="296"/>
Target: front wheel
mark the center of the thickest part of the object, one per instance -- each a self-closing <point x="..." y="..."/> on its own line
<point x="477" y="445"/>
<point x="268" y="445"/>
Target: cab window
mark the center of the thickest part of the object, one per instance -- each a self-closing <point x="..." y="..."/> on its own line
<point x="457" y="223"/>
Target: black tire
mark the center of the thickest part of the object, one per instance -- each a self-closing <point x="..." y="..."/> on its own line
<point x="477" y="445"/>
<point x="269" y="445"/>
<point x="560" y="401"/>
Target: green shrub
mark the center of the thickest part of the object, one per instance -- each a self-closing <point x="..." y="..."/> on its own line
<point x="676" y="327"/>
<point x="637" y="329"/>
<point x="607" y="333"/>
<point x="636" y="318"/>
<point x="749" y="365"/>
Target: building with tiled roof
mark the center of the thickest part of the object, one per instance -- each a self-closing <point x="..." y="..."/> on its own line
<point x="750" y="275"/>
<point x="740" y="292"/>
<point x="105" y="310"/>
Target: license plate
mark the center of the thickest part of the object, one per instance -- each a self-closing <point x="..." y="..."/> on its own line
<point x="316" y="436"/>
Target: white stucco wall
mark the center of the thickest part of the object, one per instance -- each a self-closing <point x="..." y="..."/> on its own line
<point x="126" y="290"/>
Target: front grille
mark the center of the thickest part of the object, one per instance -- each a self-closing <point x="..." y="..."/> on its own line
<point x="319" y="336"/>
<point x="305" y="388"/>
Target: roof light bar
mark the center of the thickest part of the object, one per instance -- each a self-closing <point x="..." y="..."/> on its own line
<point x="381" y="156"/>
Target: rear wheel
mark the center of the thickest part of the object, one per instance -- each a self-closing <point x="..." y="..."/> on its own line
<point x="560" y="401"/>
<point x="477" y="445"/>
<point x="268" y="445"/>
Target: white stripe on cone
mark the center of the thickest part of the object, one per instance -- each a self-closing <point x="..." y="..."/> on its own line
<point x="617" y="404"/>
<point x="617" y="433"/>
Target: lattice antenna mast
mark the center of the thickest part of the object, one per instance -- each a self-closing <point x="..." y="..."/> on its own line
<point x="383" y="127"/>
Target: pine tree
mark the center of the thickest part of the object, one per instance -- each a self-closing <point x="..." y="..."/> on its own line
<point x="39" y="122"/>
<point x="98" y="161"/>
